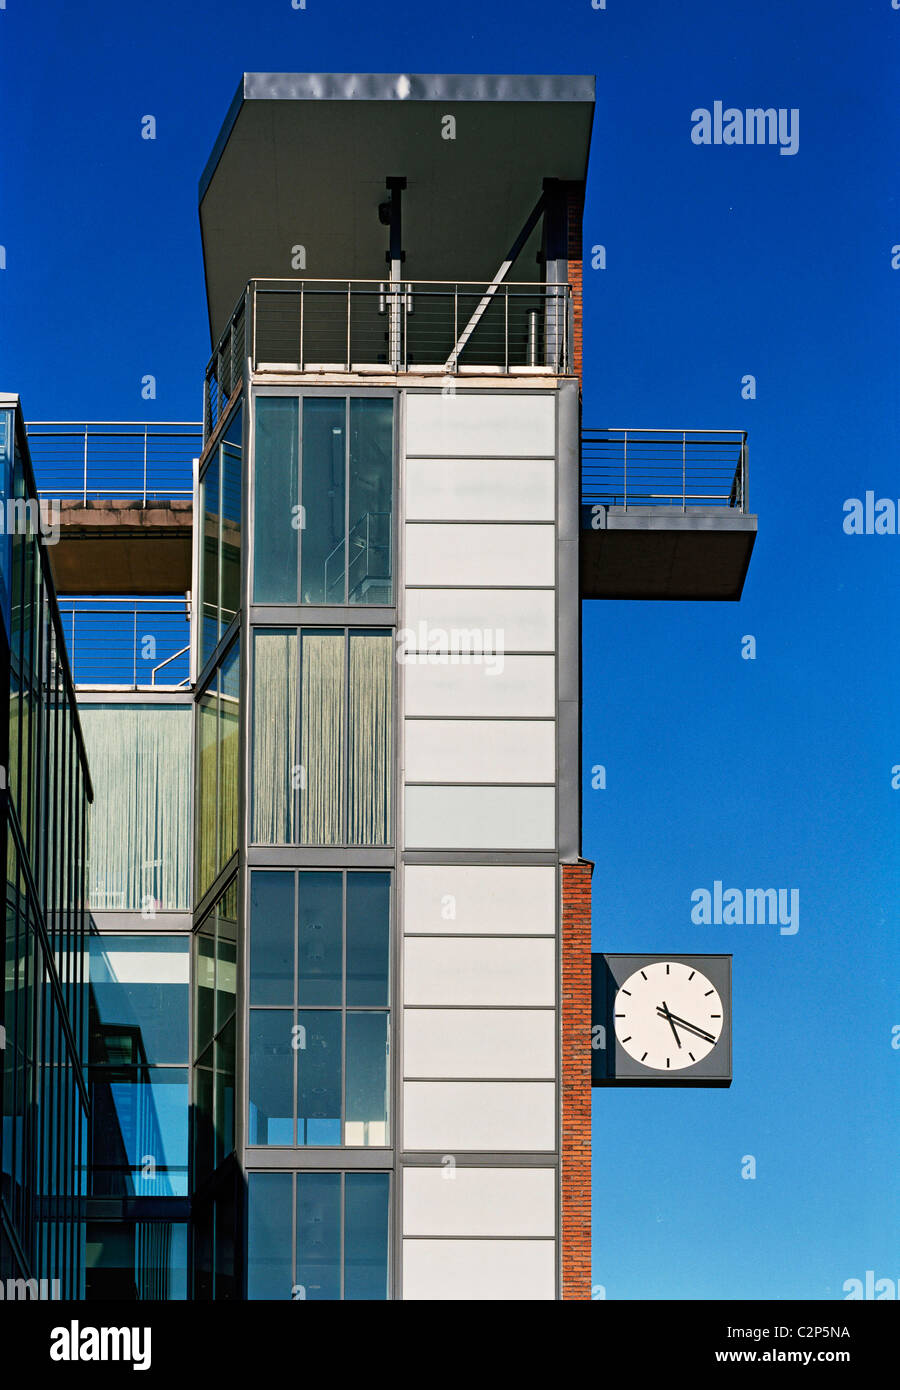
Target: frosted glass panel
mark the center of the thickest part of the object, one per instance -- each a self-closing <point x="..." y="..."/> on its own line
<point x="275" y="683"/>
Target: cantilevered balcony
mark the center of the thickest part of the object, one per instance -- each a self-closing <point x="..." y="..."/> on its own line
<point x="373" y="327"/>
<point x="124" y="492"/>
<point x="664" y="514"/>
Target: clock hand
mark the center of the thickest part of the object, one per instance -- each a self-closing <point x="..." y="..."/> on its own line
<point x="665" y="1011"/>
<point x="683" y="1023"/>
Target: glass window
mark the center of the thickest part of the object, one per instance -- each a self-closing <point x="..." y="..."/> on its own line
<point x="136" y="1260"/>
<point x="269" y="1224"/>
<point x="217" y="772"/>
<point x="213" y="1048"/>
<point x="318" y="1236"/>
<point x="342" y="1246"/>
<point x="342" y="463"/>
<point x="322" y="737"/>
<point x="139" y="1129"/>
<point x="220" y="548"/>
<point x="276" y="513"/>
<point x="139" y="999"/>
<point x="319" y="1029"/>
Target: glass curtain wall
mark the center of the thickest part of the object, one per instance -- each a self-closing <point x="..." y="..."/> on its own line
<point x="43" y="830"/>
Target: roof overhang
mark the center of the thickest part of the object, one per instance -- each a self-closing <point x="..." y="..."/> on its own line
<point x="302" y="160"/>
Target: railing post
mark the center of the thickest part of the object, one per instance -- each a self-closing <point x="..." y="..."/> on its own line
<point x="146" y="427"/>
<point x="302" y="311"/>
<point x="684" y="470"/>
<point x="506" y="330"/>
<point x="456" y="324"/>
<point x="134" y="648"/>
<point x="745" y="500"/>
<point x="349" y="283"/>
<point x="84" y="498"/>
<point x="625" y="437"/>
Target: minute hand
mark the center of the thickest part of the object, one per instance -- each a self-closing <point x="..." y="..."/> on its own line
<point x="683" y="1023"/>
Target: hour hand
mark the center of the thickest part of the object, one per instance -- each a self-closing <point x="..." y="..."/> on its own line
<point x="665" y="1011"/>
<point x="683" y="1023"/>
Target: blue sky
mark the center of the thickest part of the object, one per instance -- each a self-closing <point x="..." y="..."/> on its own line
<point x="721" y="261"/>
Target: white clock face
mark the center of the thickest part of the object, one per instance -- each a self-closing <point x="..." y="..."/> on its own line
<point x="668" y="1015"/>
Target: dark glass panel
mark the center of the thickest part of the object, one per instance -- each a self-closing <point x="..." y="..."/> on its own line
<point x="320" y="964"/>
<point x="139" y="1121"/>
<point x="322" y="549"/>
<point x="271" y="937"/>
<point x="368" y="937"/>
<point x="366" y="1242"/>
<point x="269" y="1227"/>
<point x="371" y="486"/>
<point x="318" y="1236"/>
<point x="367" y="1078"/>
<point x="139" y="994"/>
<point x="276" y="518"/>
<point x="271" y="1077"/>
<point x="319" y="1077"/>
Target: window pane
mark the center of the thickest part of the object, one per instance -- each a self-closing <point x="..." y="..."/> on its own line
<point x="367" y="1079"/>
<point x="139" y="1119"/>
<point x="319" y="1235"/>
<point x="206" y="793"/>
<point x="275" y="500"/>
<point x="368" y="937"/>
<point x="271" y="938"/>
<point x="204" y="1146"/>
<point x="322" y="738"/>
<point x="209" y="561"/>
<point x="271" y="1077"/>
<point x="322" y="552"/>
<point x="229" y="738"/>
<point x="319" y="1077"/>
<point x="274" y="737"/>
<point x="269" y="1235"/>
<point x="371" y="477"/>
<point x="369" y="734"/>
<point x="204" y="988"/>
<point x="226" y="953"/>
<point x="366" y="1206"/>
<point x="321" y="938"/>
<point x="224" y="1068"/>
<point x="139" y="999"/>
<point x="230" y="454"/>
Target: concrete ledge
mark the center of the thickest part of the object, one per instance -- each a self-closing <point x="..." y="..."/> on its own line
<point x="112" y="547"/>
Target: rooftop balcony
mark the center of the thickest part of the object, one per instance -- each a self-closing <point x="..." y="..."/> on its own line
<point x="665" y="514"/>
<point x="379" y="327"/>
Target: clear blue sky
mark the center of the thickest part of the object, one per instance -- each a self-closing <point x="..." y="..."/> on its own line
<point x="721" y="262"/>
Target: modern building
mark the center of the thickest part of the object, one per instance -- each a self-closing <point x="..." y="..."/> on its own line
<point x="340" y="947"/>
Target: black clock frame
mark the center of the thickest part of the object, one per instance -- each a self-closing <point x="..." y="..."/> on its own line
<point x="611" y="1065"/>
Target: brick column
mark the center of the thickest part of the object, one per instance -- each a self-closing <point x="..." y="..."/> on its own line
<point x="575" y="1176"/>
<point x="574" y="215"/>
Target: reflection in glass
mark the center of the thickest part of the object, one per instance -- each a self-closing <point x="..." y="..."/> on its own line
<point x="322" y="551"/>
<point x="139" y="1129"/>
<point x="269" y="1201"/>
<point x="271" y="1076"/>
<point x="320" y="947"/>
<point x="319" y="1235"/>
<point x="271" y="937"/>
<point x="139" y="999"/>
<point x="366" y="1210"/>
<point x="368" y="937"/>
<point x="367" y="1078"/>
<point x="275" y="500"/>
<point x="319" y="1077"/>
<point x="371" y="475"/>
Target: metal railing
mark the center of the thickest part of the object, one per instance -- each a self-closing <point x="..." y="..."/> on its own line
<point x="128" y="644"/>
<point x="127" y="459"/>
<point x="665" y="468"/>
<point x="444" y="327"/>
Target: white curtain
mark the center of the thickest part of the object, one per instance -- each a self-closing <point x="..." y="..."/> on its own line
<point x="370" y="739"/>
<point x="274" y="736"/>
<point x="322" y="701"/>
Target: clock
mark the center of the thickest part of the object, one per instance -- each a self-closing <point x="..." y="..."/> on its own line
<point x="661" y="1020"/>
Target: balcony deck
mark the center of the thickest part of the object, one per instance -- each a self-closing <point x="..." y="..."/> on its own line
<point x="664" y="514"/>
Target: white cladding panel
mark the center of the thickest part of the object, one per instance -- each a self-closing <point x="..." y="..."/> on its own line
<point x="479" y="1202"/>
<point x="480" y="750"/>
<point x="480" y="490"/>
<point x="503" y="1116"/>
<point x="461" y="1044"/>
<point x="479" y="898"/>
<point x="514" y="424"/>
<point x="504" y="970"/>
<point x="479" y="1269"/>
<point x="525" y="687"/>
<point x="448" y="554"/>
<point x="500" y="818"/>
<point x="524" y="618"/>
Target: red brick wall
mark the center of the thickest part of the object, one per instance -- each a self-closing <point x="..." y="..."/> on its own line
<point x="576" y="1080"/>
<point x="575" y="213"/>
